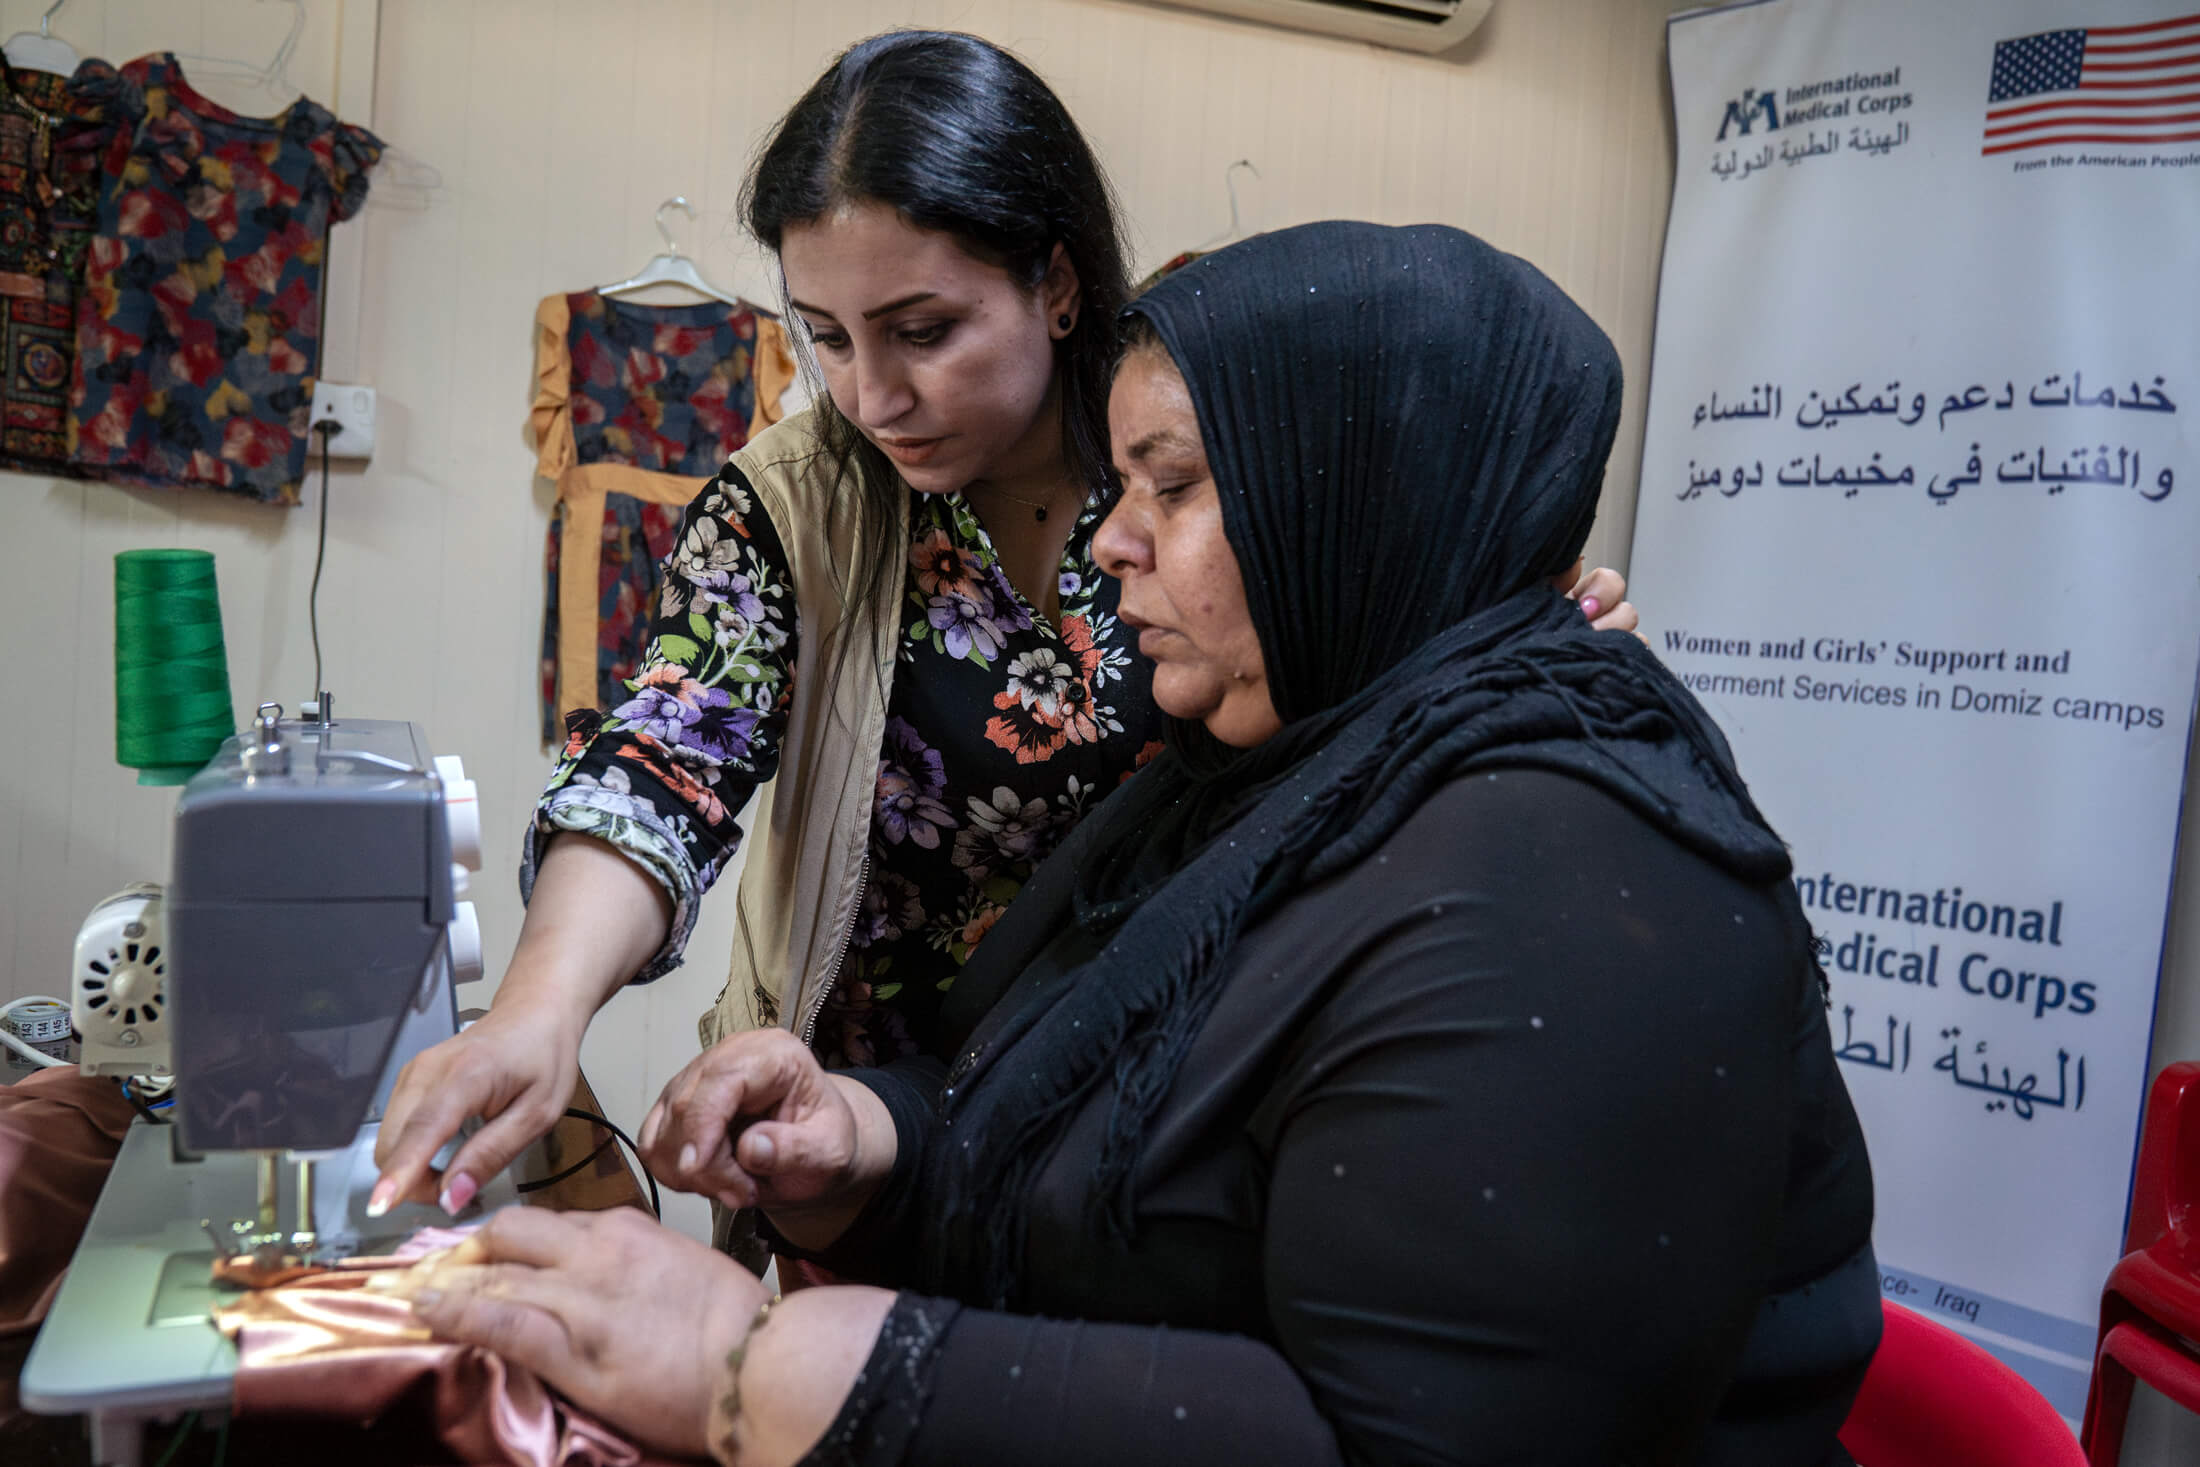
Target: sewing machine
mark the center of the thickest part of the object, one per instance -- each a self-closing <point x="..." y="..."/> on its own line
<point x="305" y="949"/>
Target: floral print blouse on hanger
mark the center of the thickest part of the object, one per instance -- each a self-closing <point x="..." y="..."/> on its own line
<point x="198" y="328"/>
<point x="1002" y="731"/>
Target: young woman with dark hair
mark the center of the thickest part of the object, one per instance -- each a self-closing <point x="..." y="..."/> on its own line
<point x="884" y="617"/>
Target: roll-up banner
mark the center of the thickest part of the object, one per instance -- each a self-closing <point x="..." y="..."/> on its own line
<point x="1918" y="523"/>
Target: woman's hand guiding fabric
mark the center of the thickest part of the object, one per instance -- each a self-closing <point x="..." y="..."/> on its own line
<point x="630" y="1320"/>
<point x="755" y="1121"/>
<point x="594" y="920"/>
<point x="516" y="1066"/>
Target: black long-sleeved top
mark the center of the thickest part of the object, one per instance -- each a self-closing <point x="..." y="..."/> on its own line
<point x="1521" y="1141"/>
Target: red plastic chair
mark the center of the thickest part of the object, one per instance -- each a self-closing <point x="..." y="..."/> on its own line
<point x="2153" y="1293"/>
<point x="1933" y="1399"/>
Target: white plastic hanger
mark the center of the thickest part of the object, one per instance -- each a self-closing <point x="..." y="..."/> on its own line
<point x="401" y="181"/>
<point x="273" y="77"/>
<point x="41" y="50"/>
<point x="671" y="267"/>
<point x="1229" y="181"/>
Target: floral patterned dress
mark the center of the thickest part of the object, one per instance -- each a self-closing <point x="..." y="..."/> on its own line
<point x="1003" y="729"/>
<point x="635" y="405"/>
<point x="198" y="328"/>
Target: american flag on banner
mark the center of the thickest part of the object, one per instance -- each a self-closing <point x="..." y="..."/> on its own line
<point x="2128" y="84"/>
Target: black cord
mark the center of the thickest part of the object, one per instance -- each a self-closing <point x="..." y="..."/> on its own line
<point x="656" y="1204"/>
<point x="542" y="1183"/>
<point x="328" y="428"/>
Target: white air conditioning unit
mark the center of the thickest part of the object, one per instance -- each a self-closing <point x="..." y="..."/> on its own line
<point x="1408" y="25"/>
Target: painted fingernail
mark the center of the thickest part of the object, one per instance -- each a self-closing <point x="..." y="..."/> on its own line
<point x="687" y="1157"/>
<point x="1590" y="606"/>
<point x="379" y="1200"/>
<point x="457" y="1192"/>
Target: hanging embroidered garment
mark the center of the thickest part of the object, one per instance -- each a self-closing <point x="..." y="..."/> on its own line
<point x="49" y="204"/>
<point x="636" y="406"/>
<point x="198" y="328"/>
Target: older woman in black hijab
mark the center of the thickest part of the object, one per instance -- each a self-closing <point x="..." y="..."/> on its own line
<point x="1422" y="1060"/>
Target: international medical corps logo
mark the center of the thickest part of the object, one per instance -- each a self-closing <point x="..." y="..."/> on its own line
<point x="2125" y="86"/>
<point x="1743" y="114"/>
<point x="1818" y="117"/>
<point x="1858" y="96"/>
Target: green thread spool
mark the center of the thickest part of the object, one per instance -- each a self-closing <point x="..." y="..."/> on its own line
<point x="172" y="707"/>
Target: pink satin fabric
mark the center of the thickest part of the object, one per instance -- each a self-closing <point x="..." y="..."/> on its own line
<point x="326" y="1348"/>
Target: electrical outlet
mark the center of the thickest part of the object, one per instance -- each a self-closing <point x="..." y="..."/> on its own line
<point x="351" y="409"/>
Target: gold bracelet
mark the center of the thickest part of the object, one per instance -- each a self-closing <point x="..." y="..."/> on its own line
<point x="726" y="1409"/>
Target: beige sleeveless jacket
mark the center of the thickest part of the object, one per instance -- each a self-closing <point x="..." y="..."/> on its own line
<point x="808" y="830"/>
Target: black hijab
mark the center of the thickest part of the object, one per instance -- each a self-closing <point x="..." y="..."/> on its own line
<point x="1407" y="430"/>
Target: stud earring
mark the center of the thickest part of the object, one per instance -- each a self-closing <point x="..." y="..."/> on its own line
<point x="1064" y="321"/>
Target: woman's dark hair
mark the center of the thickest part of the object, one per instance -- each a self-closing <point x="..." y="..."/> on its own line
<point x="960" y="137"/>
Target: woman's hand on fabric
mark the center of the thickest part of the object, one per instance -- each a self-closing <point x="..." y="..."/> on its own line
<point x="1602" y="596"/>
<point x="595" y="918"/>
<point x="630" y="1320"/>
<point x="755" y="1121"/>
<point x="515" y="1066"/>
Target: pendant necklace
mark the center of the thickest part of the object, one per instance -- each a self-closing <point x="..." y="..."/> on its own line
<point x="1037" y="508"/>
